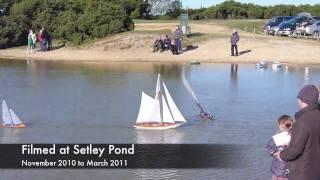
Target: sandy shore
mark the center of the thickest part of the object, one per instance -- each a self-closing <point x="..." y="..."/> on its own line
<point x="136" y="47"/>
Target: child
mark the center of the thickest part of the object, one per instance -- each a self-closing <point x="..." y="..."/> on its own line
<point x="30" y="42"/>
<point x="277" y="143"/>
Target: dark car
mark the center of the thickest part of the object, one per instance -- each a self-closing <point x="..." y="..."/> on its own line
<point x="317" y="18"/>
<point x="286" y="28"/>
<point x="275" y="21"/>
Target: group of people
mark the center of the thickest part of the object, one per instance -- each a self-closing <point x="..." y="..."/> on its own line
<point x="43" y="37"/>
<point x="296" y="147"/>
<point x="176" y="48"/>
<point x="166" y="43"/>
<point x="162" y="44"/>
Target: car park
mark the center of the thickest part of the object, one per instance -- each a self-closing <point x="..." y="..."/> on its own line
<point x="275" y="21"/>
<point x="287" y="28"/>
<point x="314" y="28"/>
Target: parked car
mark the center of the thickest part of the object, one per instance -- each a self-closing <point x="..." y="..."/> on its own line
<point x="286" y="28"/>
<point x="313" y="29"/>
<point x="316" y="18"/>
<point x="274" y="30"/>
<point x="275" y="21"/>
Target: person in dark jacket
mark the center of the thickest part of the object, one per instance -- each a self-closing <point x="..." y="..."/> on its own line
<point x="49" y="42"/>
<point x="234" y="42"/>
<point x="158" y="45"/>
<point x="167" y="43"/>
<point x="45" y="37"/>
<point x="303" y="153"/>
<point x="280" y="141"/>
<point x="178" y="38"/>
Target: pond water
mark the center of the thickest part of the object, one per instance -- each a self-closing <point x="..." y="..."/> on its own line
<point x="99" y="102"/>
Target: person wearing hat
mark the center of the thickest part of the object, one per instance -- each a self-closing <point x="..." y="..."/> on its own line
<point x="303" y="153"/>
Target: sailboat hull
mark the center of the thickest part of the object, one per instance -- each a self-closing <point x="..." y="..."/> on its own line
<point x="158" y="126"/>
<point x="13" y="126"/>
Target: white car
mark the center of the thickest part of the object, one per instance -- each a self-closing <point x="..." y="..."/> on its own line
<point x="314" y="29"/>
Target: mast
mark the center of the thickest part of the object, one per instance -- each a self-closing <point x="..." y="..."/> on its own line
<point x="160" y="99"/>
<point x="158" y="87"/>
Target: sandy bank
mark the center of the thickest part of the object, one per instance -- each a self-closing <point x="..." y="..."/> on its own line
<point x="136" y="47"/>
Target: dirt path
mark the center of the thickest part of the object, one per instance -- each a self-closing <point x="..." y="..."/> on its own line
<point x="214" y="47"/>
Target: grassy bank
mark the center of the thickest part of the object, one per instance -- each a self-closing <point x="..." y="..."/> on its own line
<point x="244" y="25"/>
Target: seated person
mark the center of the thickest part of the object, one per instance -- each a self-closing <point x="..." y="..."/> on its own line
<point x="158" y="45"/>
<point x="167" y="43"/>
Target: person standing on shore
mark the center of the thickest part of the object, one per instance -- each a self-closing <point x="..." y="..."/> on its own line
<point x="34" y="41"/>
<point x="303" y="153"/>
<point x="30" y="42"/>
<point x="44" y="36"/>
<point x="49" y="41"/>
<point x="178" y="38"/>
<point x="234" y="42"/>
<point x="39" y="37"/>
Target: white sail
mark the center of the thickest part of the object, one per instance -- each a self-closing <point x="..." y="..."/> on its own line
<point x="158" y="87"/>
<point x="149" y="110"/>
<point x="6" y="117"/>
<point x="166" y="114"/>
<point x="188" y="87"/>
<point x="15" y="119"/>
<point x="177" y="115"/>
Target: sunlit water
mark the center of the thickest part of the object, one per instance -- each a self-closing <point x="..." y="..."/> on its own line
<point x="99" y="103"/>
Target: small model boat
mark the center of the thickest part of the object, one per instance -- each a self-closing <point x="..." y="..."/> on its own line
<point x="205" y="115"/>
<point x="195" y="62"/>
<point x="262" y="64"/>
<point x="276" y="65"/>
<point x="9" y="118"/>
<point x="160" y="112"/>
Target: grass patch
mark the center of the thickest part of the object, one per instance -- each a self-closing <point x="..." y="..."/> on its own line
<point x="244" y="25"/>
<point x="141" y="21"/>
<point x="160" y="32"/>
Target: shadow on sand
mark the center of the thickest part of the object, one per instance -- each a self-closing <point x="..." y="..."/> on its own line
<point x="244" y="52"/>
<point x="58" y="46"/>
<point x="195" y="34"/>
<point x="189" y="48"/>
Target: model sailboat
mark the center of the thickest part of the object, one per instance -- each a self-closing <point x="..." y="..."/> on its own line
<point x="9" y="118"/>
<point x="159" y="112"/>
<point x="203" y="113"/>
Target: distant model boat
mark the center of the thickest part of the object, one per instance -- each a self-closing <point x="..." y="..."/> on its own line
<point x="9" y="117"/>
<point x="160" y="112"/>
<point x="195" y="62"/>
<point x="262" y="64"/>
<point x="276" y="65"/>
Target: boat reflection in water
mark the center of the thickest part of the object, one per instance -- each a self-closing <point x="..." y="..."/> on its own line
<point x="306" y="74"/>
<point x="159" y="137"/>
<point x="146" y="174"/>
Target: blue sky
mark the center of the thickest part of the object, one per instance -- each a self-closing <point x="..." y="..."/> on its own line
<point x="207" y="3"/>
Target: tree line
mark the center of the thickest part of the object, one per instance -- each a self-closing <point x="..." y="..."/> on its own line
<point x="75" y="20"/>
<point x="236" y="10"/>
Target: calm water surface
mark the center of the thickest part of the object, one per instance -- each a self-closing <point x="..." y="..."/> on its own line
<point x="99" y="103"/>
